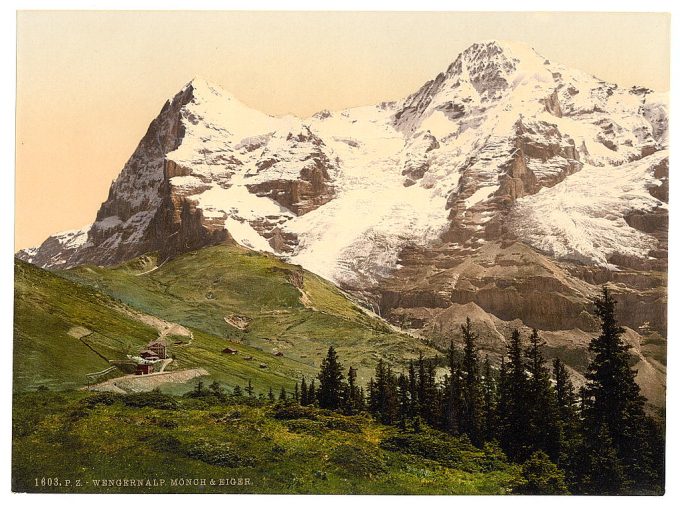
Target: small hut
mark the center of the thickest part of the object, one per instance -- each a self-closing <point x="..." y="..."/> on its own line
<point x="159" y="348"/>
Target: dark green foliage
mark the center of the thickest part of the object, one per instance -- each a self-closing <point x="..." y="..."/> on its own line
<point x="543" y="416"/>
<point x="455" y="452"/>
<point x="352" y="400"/>
<point x="541" y="476"/>
<point x="489" y="395"/>
<point x="471" y="414"/>
<point x="514" y="412"/>
<point x="613" y="412"/>
<point x="358" y="460"/>
<point x="330" y="381"/>
<point x="382" y="396"/>
<point x="217" y="454"/>
<point x="153" y="399"/>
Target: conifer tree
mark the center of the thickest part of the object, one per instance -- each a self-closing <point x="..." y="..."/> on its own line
<point x="452" y="389"/>
<point x="270" y="395"/>
<point x="543" y="427"/>
<point x="413" y="389"/>
<point x="613" y="397"/>
<point x="489" y="392"/>
<point x="471" y="415"/>
<point x="304" y="400"/>
<point x="404" y="400"/>
<point x="312" y="398"/>
<point x="216" y="389"/>
<point x="568" y="422"/>
<point x="352" y="399"/>
<point x="250" y="391"/>
<point x="515" y="420"/>
<point x="296" y="392"/>
<point x="283" y="396"/>
<point x="238" y="392"/>
<point x="330" y="381"/>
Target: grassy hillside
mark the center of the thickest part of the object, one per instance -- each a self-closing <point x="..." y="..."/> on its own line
<point x="49" y="307"/>
<point x="278" y="448"/>
<point x="286" y="308"/>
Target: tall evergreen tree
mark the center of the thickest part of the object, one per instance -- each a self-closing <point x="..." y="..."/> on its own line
<point x="304" y="400"/>
<point x="453" y="392"/>
<point x="472" y="408"/>
<point x="296" y="392"/>
<point x="515" y="420"/>
<point x="613" y="397"/>
<point x="312" y="398"/>
<point x="568" y="421"/>
<point x="489" y="392"/>
<point x="543" y="421"/>
<point x="352" y="403"/>
<point x="404" y="400"/>
<point x="413" y="389"/>
<point x="330" y="381"/>
<point x="250" y="391"/>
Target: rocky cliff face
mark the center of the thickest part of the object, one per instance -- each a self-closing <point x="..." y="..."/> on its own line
<point x="509" y="187"/>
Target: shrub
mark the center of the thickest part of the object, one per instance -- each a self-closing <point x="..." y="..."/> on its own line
<point x="153" y="399"/>
<point x="342" y="423"/>
<point x="106" y="399"/>
<point x="541" y="476"/>
<point x="292" y="411"/>
<point x="217" y="454"/>
<point x="358" y="460"/>
<point x="448" y="450"/>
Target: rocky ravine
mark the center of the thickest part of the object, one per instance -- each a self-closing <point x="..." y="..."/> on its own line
<point x="508" y="188"/>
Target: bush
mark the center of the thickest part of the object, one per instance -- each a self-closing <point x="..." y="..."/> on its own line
<point x="541" y="476"/>
<point x="342" y="423"/>
<point x="305" y="426"/>
<point x="218" y="454"/>
<point x="358" y="460"/>
<point x="154" y="399"/>
<point x="292" y="411"/>
<point x="106" y="399"/>
<point x="440" y="447"/>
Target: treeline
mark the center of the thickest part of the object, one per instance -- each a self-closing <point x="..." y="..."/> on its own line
<point x="599" y="439"/>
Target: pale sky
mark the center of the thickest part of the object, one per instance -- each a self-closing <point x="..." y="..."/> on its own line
<point x="89" y="83"/>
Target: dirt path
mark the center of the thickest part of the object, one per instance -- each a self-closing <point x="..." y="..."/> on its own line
<point x="148" y="382"/>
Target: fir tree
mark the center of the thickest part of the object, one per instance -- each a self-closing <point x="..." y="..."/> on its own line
<point x="330" y="381"/>
<point x="515" y="420"/>
<point x="237" y="392"/>
<point x="270" y="395"/>
<point x="311" y="394"/>
<point x="216" y="389"/>
<point x="452" y="389"/>
<point x="352" y="403"/>
<point x="413" y="390"/>
<point x="612" y="397"/>
<point x="296" y="392"/>
<point x="250" y="391"/>
<point x="471" y="415"/>
<point x="568" y="421"/>
<point x="489" y="391"/>
<point x="304" y="399"/>
<point x="543" y="421"/>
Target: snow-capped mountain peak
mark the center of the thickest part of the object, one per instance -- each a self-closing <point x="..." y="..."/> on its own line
<point x="343" y="193"/>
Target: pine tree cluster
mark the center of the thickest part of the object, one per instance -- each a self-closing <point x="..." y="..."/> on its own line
<point x="599" y="441"/>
